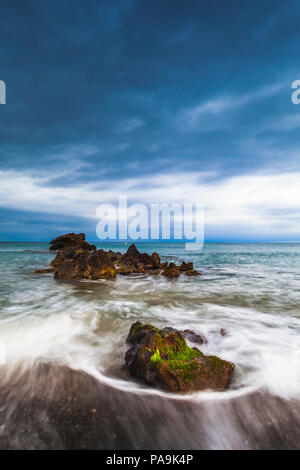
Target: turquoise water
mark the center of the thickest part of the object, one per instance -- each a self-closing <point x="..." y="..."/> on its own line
<point x="250" y="290"/>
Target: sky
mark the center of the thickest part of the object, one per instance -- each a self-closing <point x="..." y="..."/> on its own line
<point x="164" y="101"/>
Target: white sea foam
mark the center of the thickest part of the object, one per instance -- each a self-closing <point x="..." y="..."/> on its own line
<point x="252" y="293"/>
<point x="90" y="335"/>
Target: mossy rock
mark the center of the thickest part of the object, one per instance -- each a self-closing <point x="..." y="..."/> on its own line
<point x="163" y="358"/>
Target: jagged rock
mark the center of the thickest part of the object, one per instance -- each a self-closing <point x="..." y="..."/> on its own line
<point x="114" y="256"/>
<point x="132" y="251"/>
<point x="186" y="266"/>
<point x="193" y="337"/>
<point x="163" y="358"/>
<point x="188" y="334"/>
<point x="66" y="254"/>
<point x="83" y="265"/>
<point x="163" y="265"/>
<point x="171" y="271"/>
<point x="71" y="240"/>
<point x="188" y="269"/>
<point x="155" y="260"/>
<point x="138" y="262"/>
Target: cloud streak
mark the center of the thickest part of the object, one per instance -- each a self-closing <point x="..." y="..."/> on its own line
<point x="256" y="205"/>
<point x="214" y="113"/>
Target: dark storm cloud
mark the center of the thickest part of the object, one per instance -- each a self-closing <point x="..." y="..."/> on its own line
<point x="128" y="88"/>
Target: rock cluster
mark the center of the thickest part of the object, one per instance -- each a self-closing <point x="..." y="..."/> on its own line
<point x="173" y="271"/>
<point x="163" y="358"/>
<point x="77" y="259"/>
<point x="135" y="262"/>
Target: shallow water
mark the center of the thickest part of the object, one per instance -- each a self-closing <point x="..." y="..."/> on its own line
<point x="62" y="344"/>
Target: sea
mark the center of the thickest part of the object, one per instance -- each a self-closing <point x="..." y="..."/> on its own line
<point x="63" y="379"/>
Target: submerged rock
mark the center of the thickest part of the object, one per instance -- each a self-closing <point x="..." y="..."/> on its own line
<point x="162" y="358"/>
<point x="193" y="337"/>
<point x="192" y="272"/>
<point x="171" y="271"/>
<point x="44" y="271"/>
<point x="186" y="266"/>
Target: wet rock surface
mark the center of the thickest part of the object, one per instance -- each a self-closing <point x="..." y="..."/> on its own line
<point x="71" y="240"/>
<point x="79" y="412"/>
<point x="172" y="271"/>
<point x="77" y="259"/>
<point x="162" y="358"/>
<point x="75" y="264"/>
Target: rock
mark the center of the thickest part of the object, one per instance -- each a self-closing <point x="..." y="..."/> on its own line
<point x="193" y="337"/>
<point x="132" y="251"/>
<point x="115" y="256"/>
<point x="71" y="240"/>
<point x="125" y="269"/>
<point x="155" y="260"/>
<point x="44" y="271"/>
<point x="163" y="358"/>
<point x="163" y="265"/>
<point x="192" y="272"/>
<point x="171" y="271"/>
<point x="138" y="262"/>
<point x="186" y="266"/>
<point x="71" y="264"/>
<point x="65" y="254"/>
<point x="141" y="269"/>
<point x="223" y="332"/>
<point x="188" y="334"/>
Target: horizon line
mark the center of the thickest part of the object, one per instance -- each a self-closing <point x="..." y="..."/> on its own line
<point x="161" y="241"/>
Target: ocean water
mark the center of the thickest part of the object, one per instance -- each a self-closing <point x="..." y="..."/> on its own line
<point x="63" y="381"/>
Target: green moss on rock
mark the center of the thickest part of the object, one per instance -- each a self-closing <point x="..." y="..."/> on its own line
<point x="163" y="357"/>
<point x="155" y="359"/>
